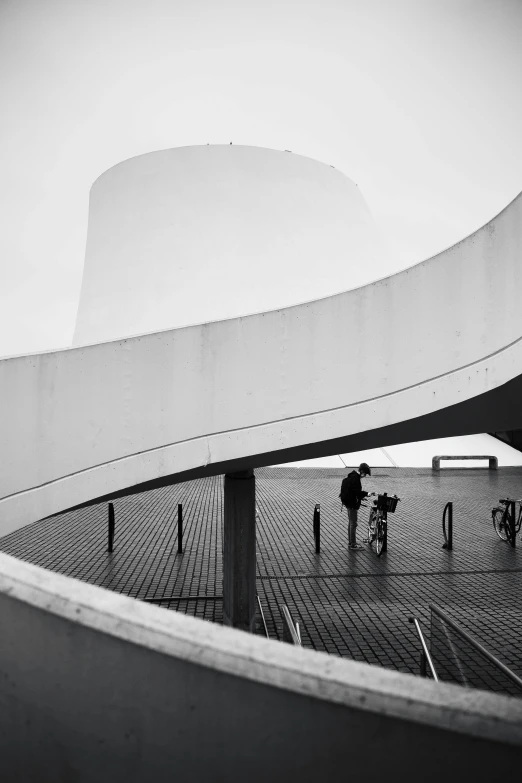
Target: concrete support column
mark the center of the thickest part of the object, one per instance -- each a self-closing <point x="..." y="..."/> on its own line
<point x="239" y="551"/>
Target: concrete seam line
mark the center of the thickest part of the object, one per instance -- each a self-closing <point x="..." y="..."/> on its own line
<point x="253" y="427"/>
<point x="388" y="574"/>
<point x="268" y="662"/>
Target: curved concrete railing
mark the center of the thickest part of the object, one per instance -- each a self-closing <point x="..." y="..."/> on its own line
<point x="116" y="689"/>
<point x="431" y="351"/>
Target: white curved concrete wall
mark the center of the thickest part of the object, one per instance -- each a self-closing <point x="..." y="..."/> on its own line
<point x="195" y="234"/>
<point x="80" y="423"/>
<point x="118" y="690"/>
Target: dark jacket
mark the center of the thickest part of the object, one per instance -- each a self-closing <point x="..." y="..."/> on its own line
<point x="351" y="490"/>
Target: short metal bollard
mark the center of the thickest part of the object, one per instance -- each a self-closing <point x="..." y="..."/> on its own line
<point x="317" y="527"/>
<point x="180" y="528"/>
<point x="448" y="536"/>
<point x="111" y="528"/>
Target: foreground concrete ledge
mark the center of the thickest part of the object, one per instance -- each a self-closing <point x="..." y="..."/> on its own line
<point x="314" y="674"/>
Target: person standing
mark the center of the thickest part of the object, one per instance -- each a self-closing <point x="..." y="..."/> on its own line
<point x="351" y="495"/>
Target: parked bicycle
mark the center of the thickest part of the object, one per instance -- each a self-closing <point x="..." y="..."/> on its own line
<point x="382" y="505"/>
<point x="503" y="521"/>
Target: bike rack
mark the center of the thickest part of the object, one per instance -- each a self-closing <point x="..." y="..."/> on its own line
<point x="448" y="537"/>
<point x="512" y="526"/>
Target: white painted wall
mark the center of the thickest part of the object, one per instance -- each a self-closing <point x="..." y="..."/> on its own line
<point x="196" y="234"/>
<point x="122" y="691"/>
<point x="80" y="423"/>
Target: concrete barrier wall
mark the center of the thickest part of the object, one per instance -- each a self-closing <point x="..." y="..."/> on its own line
<point x="81" y="423"/>
<point x="95" y="687"/>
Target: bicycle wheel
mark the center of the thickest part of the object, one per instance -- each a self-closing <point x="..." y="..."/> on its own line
<point x="519" y="523"/>
<point x="379" y="539"/>
<point x="371" y="526"/>
<point x="500" y="522"/>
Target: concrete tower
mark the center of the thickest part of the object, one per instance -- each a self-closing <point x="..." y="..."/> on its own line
<point x="198" y="234"/>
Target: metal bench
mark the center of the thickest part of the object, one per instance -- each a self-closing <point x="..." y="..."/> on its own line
<point x="493" y="461"/>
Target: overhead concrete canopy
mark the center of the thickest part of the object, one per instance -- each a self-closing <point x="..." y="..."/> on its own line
<point x="197" y="234"/>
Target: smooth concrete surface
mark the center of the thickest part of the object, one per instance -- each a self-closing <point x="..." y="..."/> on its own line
<point x="436" y="351"/>
<point x="419" y="455"/>
<point x="169" y="230"/>
<point x="239" y="550"/>
<point x="97" y="687"/>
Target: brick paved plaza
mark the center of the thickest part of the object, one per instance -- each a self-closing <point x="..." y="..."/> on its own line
<point x="347" y="603"/>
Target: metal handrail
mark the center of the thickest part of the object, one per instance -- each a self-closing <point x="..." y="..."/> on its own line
<point x="290" y="632"/>
<point x="298" y="632"/>
<point x="494" y="660"/>
<point x="262" y="616"/>
<point x="426" y="657"/>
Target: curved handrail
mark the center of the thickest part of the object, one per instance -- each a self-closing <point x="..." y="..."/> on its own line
<point x="425" y="651"/>
<point x="262" y="616"/>
<point x="477" y="646"/>
<point x="291" y="631"/>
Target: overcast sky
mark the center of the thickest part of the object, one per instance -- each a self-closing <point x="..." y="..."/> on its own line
<point x="418" y="101"/>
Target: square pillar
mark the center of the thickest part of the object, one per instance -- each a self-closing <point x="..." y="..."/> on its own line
<point x="239" y="551"/>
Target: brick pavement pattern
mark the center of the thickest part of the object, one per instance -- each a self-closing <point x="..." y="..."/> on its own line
<point x="350" y="604"/>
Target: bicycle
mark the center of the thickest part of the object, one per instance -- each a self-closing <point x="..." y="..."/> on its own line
<point x="503" y="522"/>
<point x="378" y="520"/>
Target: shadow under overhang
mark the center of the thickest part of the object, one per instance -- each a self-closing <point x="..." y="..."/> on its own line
<point x="494" y="411"/>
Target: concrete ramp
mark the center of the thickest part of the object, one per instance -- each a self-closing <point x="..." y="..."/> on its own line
<point x="433" y="351"/>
